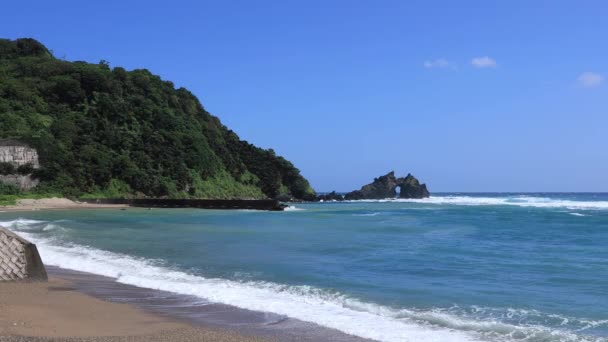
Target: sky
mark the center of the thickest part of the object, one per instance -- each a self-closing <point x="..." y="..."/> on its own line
<point x="467" y="96"/>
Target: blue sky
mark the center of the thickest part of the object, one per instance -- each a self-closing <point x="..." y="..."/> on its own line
<point x="467" y="95"/>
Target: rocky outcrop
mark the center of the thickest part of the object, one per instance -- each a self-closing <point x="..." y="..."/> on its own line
<point x="18" y="161"/>
<point x="411" y="188"/>
<point x="381" y="187"/>
<point x="22" y="182"/>
<point x="331" y="196"/>
<point x="19" y="259"/>
<point x="386" y="187"/>
<point x="18" y="153"/>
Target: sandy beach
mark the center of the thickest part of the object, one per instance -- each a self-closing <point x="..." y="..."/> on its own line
<point x="55" y="311"/>
<point x="56" y="203"/>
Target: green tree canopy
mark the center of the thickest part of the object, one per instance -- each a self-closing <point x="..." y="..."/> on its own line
<point x="110" y="132"/>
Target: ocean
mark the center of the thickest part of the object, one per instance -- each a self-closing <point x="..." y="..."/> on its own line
<point x="454" y="267"/>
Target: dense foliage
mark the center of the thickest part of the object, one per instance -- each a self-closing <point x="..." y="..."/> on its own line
<point x="109" y="132"/>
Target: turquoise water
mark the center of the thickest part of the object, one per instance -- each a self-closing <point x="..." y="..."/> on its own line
<point x="455" y="267"/>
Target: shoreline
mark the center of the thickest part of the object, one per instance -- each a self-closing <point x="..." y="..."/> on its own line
<point x="199" y="312"/>
<point x="67" y="204"/>
<point x="57" y="311"/>
<point x="90" y="307"/>
<point x="56" y="203"/>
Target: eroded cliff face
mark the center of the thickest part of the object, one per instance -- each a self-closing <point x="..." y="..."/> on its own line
<point x="23" y="182"/>
<point x="385" y="187"/>
<point x="18" y="154"/>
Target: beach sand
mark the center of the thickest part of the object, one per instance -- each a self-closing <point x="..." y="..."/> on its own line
<point x="55" y="203"/>
<point x="55" y="311"/>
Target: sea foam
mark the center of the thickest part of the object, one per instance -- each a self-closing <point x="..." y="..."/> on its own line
<point x="323" y="307"/>
<point x="520" y="201"/>
<point x="306" y="303"/>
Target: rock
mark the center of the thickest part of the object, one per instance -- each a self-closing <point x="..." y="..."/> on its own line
<point x="385" y="187"/>
<point x="19" y="259"/>
<point x="18" y="153"/>
<point x="21" y="182"/>
<point x="381" y="187"/>
<point x="411" y="188"/>
<point x="18" y="161"/>
<point x="332" y="196"/>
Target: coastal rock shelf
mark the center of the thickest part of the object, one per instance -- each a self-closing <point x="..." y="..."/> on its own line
<point x="19" y="259"/>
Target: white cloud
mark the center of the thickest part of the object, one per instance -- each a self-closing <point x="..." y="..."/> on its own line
<point x="590" y="79"/>
<point x="483" y="62"/>
<point x="439" y="63"/>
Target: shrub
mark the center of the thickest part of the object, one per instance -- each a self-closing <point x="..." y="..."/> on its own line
<point x="7" y="168"/>
<point x="8" y="189"/>
<point x="25" y="169"/>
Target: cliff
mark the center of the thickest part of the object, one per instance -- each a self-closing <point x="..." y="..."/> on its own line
<point x="386" y="187"/>
<point x="18" y="153"/>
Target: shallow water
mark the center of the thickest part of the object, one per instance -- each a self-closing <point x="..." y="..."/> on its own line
<point x="455" y="267"/>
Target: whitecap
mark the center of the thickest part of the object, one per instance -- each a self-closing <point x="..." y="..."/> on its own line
<point x="368" y="214"/>
<point x="50" y="227"/>
<point x="292" y="208"/>
<point x="20" y="223"/>
<point x="327" y="308"/>
<point x="520" y="201"/>
<point x="331" y="309"/>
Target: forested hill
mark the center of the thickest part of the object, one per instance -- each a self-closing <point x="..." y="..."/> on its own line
<point x="110" y="132"/>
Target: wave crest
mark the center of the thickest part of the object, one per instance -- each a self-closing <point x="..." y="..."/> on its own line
<point x="324" y="307"/>
<point x="520" y="201"/>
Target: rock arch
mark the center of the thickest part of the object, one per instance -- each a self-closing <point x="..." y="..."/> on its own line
<point x="385" y="187"/>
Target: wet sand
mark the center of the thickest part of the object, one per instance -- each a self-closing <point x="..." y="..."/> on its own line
<point x="83" y="307"/>
<point x="202" y="313"/>
<point x="55" y="311"/>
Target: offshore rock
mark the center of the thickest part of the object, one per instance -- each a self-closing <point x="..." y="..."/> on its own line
<point x="411" y="188"/>
<point x="332" y="196"/>
<point x="386" y="187"/>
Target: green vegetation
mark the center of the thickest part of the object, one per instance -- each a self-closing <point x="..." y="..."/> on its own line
<point x="10" y="194"/>
<point x="10" y="169"/>
<point x="108" y="132"/>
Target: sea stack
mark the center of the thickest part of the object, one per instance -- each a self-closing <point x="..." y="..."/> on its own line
<point x="386" y="187"/>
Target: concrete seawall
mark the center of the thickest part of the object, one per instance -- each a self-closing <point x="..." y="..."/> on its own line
<point x="19" y="259"/>
<point x="271" y="205"/>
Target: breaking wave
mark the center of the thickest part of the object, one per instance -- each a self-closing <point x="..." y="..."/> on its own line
<point x="520" y="201"/>
<point x="324" y="307"/>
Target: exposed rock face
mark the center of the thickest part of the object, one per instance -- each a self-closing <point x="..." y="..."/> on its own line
<point x="19" y="259"/>
<point x="18" y="154"/>
<point x="411" y="188"/>
<point x="23" y="182"/>
<point x="385" y="187"/>
<point x="332" y="196"/>
<point x="381" y="187"/>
